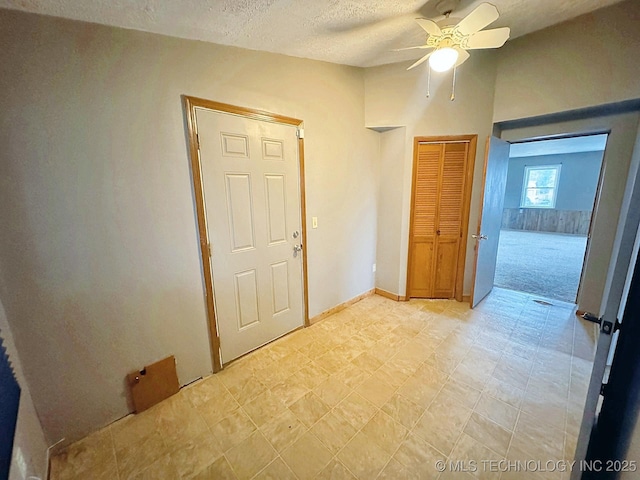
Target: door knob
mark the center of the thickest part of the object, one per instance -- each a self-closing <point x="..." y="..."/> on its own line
<point x="297" y="249"/>
<point x="479" y="237"/>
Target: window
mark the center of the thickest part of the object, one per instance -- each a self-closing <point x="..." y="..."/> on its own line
<point x="540" y="186"/>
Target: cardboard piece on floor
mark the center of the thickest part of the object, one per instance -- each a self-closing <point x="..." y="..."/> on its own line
<point x="153" y="383"/>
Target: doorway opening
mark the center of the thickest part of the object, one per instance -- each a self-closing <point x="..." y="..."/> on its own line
<point x="551" y="193"/>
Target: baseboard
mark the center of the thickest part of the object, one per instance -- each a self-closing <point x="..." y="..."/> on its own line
<point x="340" y="307"/>
<point x="466" y="298"/>
<point x="385" y="294"/>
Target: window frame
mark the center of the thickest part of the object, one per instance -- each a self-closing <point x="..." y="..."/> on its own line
<point x="554" y="189"/>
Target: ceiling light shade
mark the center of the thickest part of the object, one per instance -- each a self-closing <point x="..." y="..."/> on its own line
<point x="443" y="59"/>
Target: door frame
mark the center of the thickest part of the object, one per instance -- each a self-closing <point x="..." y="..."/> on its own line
<point x="466" y="204"/>
<point x="190" y="105"/>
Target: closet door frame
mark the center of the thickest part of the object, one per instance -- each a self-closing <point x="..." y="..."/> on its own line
<point x="466" y="205"/>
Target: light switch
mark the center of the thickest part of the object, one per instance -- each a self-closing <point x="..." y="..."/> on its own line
<point x="314" y="222"/>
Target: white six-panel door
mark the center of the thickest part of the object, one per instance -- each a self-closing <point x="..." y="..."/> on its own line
<point x="250" y="177"/>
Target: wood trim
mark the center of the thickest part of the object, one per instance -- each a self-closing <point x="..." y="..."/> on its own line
<point x="242" y="111"/>
<point x="384" y="293"/>
<point x="416" y="141"/>
<point x="190" y="105"/>
<point x="466" y="205"/>
<point x="340" y="307"/>
<point x="482" y="187"/>
<point x="196" y="176"/>
<point x="303" y="223"/>
<point x="466" y="298"/>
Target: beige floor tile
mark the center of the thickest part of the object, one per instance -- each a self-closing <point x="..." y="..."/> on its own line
<point x="218" y="470"/>
<point x="458" y="392"/>
<point x="333" y="431"/>
<point x="133" y="428"/>
<point x="364" y="458"/>
<point x="335" y="471"/>
<point x="332" y="361"/>
<point x="245" y="389"/>
<point x="250" y="456"/>
<point x="376" y="391"/>
<point x="309" y="409"/>
<point x="307" y="457"/>
<point x="179" y="423"/>
<point x="488" y="433"/>
<point x="474" y="374"/>
<point x="391" y="374"/>
<point x="367" y="362"/>
<point x="385" y="431"/>
<point x="164" y="467"/>
<point x="309" y="376"/>
<point x="283" y="430"/>
<point x="264" y="407"/>
<point x="419" y="456"/>
<point x="132" y="459"/>
<point x="276" y="470"/>
<point x="395" y="471"/>
<point x="538" y="439"/>
<point x="93" y="455"/>
<point x="195" y="455"/>
<point x="418" y="391"/>
<point x="356" y="410"/>
<point x="352" y="376"/>
<point x="230" y="431"/>
<point x="504" y="392"/>
<point x="403" y="411"/>
<point x="498" y="411"/>
<point x="440" y="359"/>
<point x="442" y="424"/>
<point x="470" y="450"/>
<point x="217" y="408"/>
<point x="332" y="391"/>
<point x="289" y="391"/>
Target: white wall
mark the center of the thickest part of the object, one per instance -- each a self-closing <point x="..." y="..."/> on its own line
<point x="98" y="245"/>
<point x="588" y="61"/>
<point x="29" y="447"/>
<point x="394" y="96"/>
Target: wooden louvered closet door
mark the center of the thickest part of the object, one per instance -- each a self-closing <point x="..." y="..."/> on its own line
<point x="437" y="218"/>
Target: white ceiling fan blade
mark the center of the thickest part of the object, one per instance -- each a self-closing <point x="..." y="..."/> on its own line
<point x="411" y="48"/>
<point x="422" y="60"/>
<point x="489" y="38"/>
<point x="463" y="56"/>
<point x="429" y="26"/>
<point x="483" y="15"/>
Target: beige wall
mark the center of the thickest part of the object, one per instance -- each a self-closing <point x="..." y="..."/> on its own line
<point x="591" y="60"/>
<point x="391" y="172"/>
<point x="394" y="96"/>
<point x="30" y="447"/>
<point x="101" y="265"/>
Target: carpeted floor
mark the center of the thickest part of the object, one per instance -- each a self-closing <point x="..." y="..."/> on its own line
<point x="546" y="264"/>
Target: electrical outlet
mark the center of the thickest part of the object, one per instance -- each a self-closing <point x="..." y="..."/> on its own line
<point x="373" y="269"/>
<point x="314" y="222"/>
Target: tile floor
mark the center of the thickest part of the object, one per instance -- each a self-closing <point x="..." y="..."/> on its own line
<point x="379" y="390"/>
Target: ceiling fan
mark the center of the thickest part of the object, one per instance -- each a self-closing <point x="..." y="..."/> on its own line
<point x="449" y="39"/>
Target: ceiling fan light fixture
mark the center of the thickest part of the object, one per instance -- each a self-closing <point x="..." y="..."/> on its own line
<point x="443" y="59"/>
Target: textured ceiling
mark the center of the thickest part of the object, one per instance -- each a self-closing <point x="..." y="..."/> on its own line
<point x="352" y="32"/>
